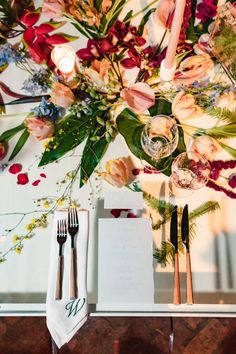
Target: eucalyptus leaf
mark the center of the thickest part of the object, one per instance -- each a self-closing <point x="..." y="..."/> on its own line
<point x="20" y="143"/>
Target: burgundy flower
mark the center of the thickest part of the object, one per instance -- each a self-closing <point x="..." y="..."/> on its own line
<point x="22" y="178"/>
<point x="15" y="168"/>
<point x="206" y="10"/>
<point x="3" y="150"/>
<point x="131" y="215"/>
<point x="232" y="181"/>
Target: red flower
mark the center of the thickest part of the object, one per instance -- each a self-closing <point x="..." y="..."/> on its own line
<point x="15" y="168"/>
<point x="22" y="178"/>
<point x="3" y="150"/>
<point x="232" y="181"/>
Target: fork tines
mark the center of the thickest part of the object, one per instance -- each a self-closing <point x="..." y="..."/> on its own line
<point x="73" y="228"/>
<point x="61" y="239"/>
<point x="73" y="224"/>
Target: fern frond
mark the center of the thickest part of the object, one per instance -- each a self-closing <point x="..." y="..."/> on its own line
<point x="165" y="254"/>
<point x="222" y="131"/>
<point x="203" y="209"/>
<point x="160" y="205"/>
<point x="222" y="114"/>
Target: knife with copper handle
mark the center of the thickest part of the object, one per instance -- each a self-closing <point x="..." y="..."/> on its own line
<point x="174" y="241"/>
<point x="185" y="240"/>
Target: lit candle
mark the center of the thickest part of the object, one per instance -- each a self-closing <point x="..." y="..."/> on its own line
<point x="63" y="57"/>
<point x="168" y="65"/>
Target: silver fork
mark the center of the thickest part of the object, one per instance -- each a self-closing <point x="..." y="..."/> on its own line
<point x="73" y="228"/>
<point x="61" y="239"/>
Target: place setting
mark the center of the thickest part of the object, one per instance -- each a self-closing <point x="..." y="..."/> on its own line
<point x="117" y="159"/>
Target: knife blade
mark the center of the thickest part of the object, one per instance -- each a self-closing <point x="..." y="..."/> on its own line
<point x="185" y="227"/>
<point x="174" y="228"/>
<point x="185" y="240"/>
<point x="174" y="241"/>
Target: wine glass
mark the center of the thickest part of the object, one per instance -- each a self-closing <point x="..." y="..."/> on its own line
<point x="189" y="171"/>
<point x="159" y="137"/>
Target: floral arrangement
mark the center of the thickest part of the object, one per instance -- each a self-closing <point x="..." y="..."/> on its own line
<point x="97" y="101"/>
<point x="114" y="88"/>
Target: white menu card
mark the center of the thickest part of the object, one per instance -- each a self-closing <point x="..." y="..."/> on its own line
<point x="125" y="262"/>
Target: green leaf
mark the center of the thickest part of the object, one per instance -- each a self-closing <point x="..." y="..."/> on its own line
<point x="97" y="4"/>
<point x="222" y="114"/>
<point x="20" y="143"/>
<point x="113" y="14"/>
<point x="144" y="21"/>
<point x="222" y="131"/>
<point x="128" y="17"/>
<point x="8" y="134"/>
<point x="161" y="107"/>
<point x="228" y="148"/>
<point x="71" y="132"/>
<point x="92" y="154"/>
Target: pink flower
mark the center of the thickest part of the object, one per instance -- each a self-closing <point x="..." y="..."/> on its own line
<point x="39" y="128"/>
<point x="164" y="13"/>
<point x="205" y="146"/>
<point x="184" y="107"/>
<point x="117" y="173"/>
<point x="139" y="97"/>
<point x="15" y="168"/>
<point x="53" y="8"/>
<point x="98" y="72"/>
<point x="193" y="69"/>
<point x="62" y="95"/>
<point x="3" y="150"/>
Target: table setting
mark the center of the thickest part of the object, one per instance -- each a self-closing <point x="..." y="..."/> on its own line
<point x="117" y="159"/>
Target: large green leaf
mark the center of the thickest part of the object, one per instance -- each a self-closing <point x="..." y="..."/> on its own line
<point x="8" y="134"/>
<point x="131" y="129"/>
<point x="92" y="154"/>
<point x="20" y="143"/>
<point x="161" y="107"/>
<point x="71" y="132"/>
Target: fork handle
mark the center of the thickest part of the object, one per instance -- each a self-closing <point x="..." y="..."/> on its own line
<point x="177" y="300"/>
<point x="59" y="278"/>
<point x="73" y="275"/>
<point x="189" y="279"/>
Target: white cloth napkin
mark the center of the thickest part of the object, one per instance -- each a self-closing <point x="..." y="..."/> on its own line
<point x="65" y="316"/>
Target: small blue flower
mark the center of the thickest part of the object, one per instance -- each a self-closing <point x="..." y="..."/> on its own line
<point x="48" y="110"/>
<point x="38" y="83"/>
<point x="8" y="55"/>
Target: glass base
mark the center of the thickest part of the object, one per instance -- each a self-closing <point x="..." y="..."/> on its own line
<point x="179" y="192"/>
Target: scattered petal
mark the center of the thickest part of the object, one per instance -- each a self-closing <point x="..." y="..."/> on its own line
<point x="43" y="175"/>
<point x="22" y="178"/>
<point x="35" y="183"/>
<point x="15" y="168"/>
<point x="116" y="212"/>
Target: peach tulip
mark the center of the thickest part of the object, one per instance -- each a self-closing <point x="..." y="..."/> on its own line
<point x="117" y="173"/>
<point x="139" y="97"/>
<point x="39" y="128"/>
<point x="62" y="95"/>
<point x="193" y="69"/>
<point x="227" y="100"/>
<point x="205" y="146"/>
<point x="53" y="8"/>
<point x="164" y="13"/>
<point x="184" y="107"/>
